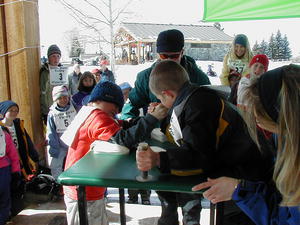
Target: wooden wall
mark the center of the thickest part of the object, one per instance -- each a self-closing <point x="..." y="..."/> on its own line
<point x="19" y="70"/>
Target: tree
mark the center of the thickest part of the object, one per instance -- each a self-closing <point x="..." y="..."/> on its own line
<point x="256" y="48"/>
<point x="287" y="53"/>
<point x="218" y="26"/>
<point x="75" y="44"/>
<point x="264" y="47"/>
<point x="100" y="17"/>
<point x="278" y="46"/>
<point x="271" y="48"/>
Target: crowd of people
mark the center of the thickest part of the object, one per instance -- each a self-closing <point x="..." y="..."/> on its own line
<point x="254" y="171"/>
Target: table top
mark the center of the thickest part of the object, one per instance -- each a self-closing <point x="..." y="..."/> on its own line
<point x="120" y="171"/>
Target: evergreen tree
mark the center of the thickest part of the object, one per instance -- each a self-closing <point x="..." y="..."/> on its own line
<point x="76" y="48"/>
<point x="218" y="26"/>
<point x="279" y="48"/>
<point x="287" y="53"/>
<point x="271" y="48"/>
<point x="264" y="47"/>
<point x="256" y="49"/>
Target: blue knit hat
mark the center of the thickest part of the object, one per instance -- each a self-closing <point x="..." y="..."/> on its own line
<point x="108" y="92"/>
<point x="241" y="39"/>
<point x="6" y="105"/>
<point x="170" y="41"/>
<point x="125" y="86"/>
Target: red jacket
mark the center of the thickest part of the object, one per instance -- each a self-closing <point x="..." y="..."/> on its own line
<point x="98" y="126"/>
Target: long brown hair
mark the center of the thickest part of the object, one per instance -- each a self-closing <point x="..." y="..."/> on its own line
<point x="287" y="166"/>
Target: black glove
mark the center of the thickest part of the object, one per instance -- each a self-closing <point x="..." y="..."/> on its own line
<point x="15" y="181"/>
<point x="44" y="118"/>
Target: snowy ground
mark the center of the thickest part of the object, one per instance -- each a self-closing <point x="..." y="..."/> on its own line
<point x="128" y="72"/>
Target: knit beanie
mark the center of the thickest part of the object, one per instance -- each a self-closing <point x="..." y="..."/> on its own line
<point x="53" y="49"/>
<point x="6" y="105"/>
<point x="108" y="92"/>
<point x="170" y="41"/>
<point x="96" y="70"/>
<point x="241" y="39"/>
<point x="125" y="86"/>
<point x="260" y="58"/>
<point x="59" y="91"/>
<point x="269" y="86"/>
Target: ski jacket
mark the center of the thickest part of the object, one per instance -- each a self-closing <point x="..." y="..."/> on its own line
<point x="211" y="138"/>
<point x="231" y="63"/>
<point x="140" y="96"/>
<point x="58" y="120"/>
<point x="100" y="126"/>
<point x="10" y="156"/>
<point x="261" y="202"/>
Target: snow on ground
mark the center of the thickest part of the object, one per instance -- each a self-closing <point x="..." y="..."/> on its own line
<point x="128" y="72"/>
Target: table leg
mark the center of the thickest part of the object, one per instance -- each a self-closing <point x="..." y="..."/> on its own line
<point x="219" y="213"/>
<point x="212" y="209"/>
<point x="122" y="206"/>
<point x="83" y="219"/>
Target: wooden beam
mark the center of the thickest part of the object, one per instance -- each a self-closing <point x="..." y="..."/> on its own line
<point x="22" y="34"/>
<point x="4" y="77"/>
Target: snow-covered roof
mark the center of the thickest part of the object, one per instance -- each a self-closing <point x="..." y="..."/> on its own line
<point x="143" y="31"/>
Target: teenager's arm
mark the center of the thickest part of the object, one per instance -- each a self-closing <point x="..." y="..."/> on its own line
<point x="139" y="132"/>
<point x="53" y="138"/>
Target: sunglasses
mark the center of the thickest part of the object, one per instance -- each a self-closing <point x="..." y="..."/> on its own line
<point x="169" y="56"/>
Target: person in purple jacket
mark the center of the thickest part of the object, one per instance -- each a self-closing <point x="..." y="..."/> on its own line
<point x="273" y="104"/>
<point x="86" y="84"/>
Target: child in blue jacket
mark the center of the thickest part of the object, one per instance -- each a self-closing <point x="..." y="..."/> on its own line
<point x="273" y="104"/>
<point x="61" y="114"/>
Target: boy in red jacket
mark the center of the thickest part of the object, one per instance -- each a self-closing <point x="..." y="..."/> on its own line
<point x="97" y="121"/>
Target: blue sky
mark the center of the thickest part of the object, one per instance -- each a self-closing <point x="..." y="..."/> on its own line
<point x="54" y="24"/>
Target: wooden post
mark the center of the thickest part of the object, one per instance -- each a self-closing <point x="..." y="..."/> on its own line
<point x="4" y="84"/>
<point x="22" y="37"/>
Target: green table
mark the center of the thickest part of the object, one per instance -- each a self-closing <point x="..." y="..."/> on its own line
<point x="120" y="171"/>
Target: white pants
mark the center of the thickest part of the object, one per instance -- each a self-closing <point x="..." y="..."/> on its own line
<point x="56" y="164"/>
<point x="96" y="212"/>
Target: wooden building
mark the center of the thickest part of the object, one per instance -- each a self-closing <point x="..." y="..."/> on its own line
<point x="136" y="42"/>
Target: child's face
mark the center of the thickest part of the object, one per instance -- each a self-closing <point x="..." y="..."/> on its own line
<point x="88" y="82"/>
<point x="239" y="50"/>
<point x="110" y="108"/>
<point x="63" y="101"/>
<point x="167" y="98"/>
<point x="12" y="113"/>
<point x="54" y="59"/>
<point x="257" y="69"/>
<point x="97" y="76"/>
<point x="126" y="94"/>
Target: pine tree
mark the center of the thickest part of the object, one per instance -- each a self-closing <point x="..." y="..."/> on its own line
<point x="264" y="47"/>
<point x="271" y="50"/>
<point x="279" y="48"/>
<point x="287" y="53"/>
<point x="256" y="49"/>
<point x="76" y="48"/>
<point x="218" y="26"/>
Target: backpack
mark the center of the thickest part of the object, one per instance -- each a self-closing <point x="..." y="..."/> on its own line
<point x="44" y="184"/>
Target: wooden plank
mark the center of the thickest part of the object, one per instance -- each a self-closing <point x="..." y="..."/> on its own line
<point x="4" y="84"/>
<point x="22" y="32"/>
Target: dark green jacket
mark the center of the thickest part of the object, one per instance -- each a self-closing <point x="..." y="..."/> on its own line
<point x="140" y="96"/>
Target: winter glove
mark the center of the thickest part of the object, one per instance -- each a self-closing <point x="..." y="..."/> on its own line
<point x="15" y="181"/>
<point x="44" y="118"/>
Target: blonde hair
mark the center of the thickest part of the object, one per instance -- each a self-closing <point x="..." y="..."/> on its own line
<point x="287" y="166"/>
<point x="167" y="75"/>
